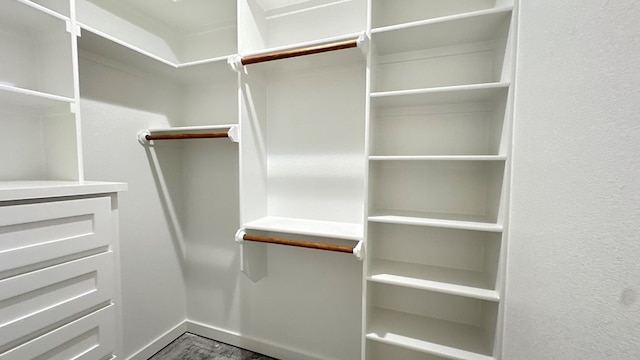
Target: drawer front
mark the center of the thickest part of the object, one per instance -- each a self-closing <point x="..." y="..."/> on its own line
<point x="36" y="302"/>
<point x="34" y="235"/>
<point x="88" y="338"/>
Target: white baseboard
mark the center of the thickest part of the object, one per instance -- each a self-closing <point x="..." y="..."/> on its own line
<point x="256" y="345"/>
<point x="229" y="337"/>
<point x="156" y="345"/>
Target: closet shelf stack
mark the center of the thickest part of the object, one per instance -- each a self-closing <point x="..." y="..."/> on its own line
<point x="39" y="139"/>
<point x="438" y="170"/>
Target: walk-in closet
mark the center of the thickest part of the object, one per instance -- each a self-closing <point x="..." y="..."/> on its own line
<point x="319" y="179"/>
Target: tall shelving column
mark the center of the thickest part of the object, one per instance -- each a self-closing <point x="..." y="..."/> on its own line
<point x="59" y="277"/>
<point x="438" y="176"/>
<point x="302" y="121"/>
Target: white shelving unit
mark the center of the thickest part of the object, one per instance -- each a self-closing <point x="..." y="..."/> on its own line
<point x="401" y="143"/>
<point x="302" y="168"/>
<point x="38" y="140"/>
<point x="439" y="154"/>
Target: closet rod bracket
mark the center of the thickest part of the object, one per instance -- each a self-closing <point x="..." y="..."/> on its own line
<point x="235" y="62"/>
<point x="142" y="137"/>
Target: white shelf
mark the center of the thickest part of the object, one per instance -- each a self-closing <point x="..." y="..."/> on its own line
<point x="94" y="41"/>
<point x="447" y="339"/>
<point x="450" y="221"/>
<point x="387" y="13"/>
<point x="272" y="23"/>
<point x="433" y="33"/>
<point x="438" y="157"/>
<point x="433" y="278"/>
<point x="173" y="32"/>
<point x="208" y="71"/>
<point x="328" y="229"/>
<point x="19" y="190"/>
<point x="457" y="94"/>
<point x="191" y="129"/>
<point x="31" y="98"/>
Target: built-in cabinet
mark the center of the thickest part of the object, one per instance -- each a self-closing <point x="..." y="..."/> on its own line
<point x="401" y="143"/>
<point x="59" y="273"/>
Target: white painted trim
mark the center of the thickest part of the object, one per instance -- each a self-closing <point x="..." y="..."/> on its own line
<point x="159" y="343"/>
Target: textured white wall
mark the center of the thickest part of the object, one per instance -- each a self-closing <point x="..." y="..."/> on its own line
<point x="116" y="104"/>
<point x="573" y="283"/>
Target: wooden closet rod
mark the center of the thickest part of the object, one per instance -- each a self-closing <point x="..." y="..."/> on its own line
<point x="316" y="49"/>
<point x="299" y="243"/>
<point x="210" y="135"/>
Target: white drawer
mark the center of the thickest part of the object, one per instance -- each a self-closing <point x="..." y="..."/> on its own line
<point x="33" y="234"/>
<point x="88" y="338"/>
<point x="35" y="302"/>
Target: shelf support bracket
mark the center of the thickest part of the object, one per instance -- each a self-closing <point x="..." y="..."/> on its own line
<point x="253" y="257"/>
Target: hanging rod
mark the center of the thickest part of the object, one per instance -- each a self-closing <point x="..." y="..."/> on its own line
<point x="212" y="135"/>
<point x="360" y="41"/>
<point x="193" y="132"/>
<point x="308" y="50"/>
<point x="242" y="236"/>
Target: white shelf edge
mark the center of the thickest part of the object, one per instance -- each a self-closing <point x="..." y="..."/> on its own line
<point x="442" y="89"/>
<point x="34" y="93"/>
<point x="302" y="227"/>
<point x="22" y="190"/>
<point x="175" y="65"/>
<point x="434" y="349"/>
<point x="433" y="222"/>
<point x="45" y="10"/>
<point x="183" y="129"/>
<point x="222" y="59"/>
<point x="438" y="157"/>
<point x="126" y="44"/>
<point x="436" y="286"/>
<point x="498" y="10"/>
